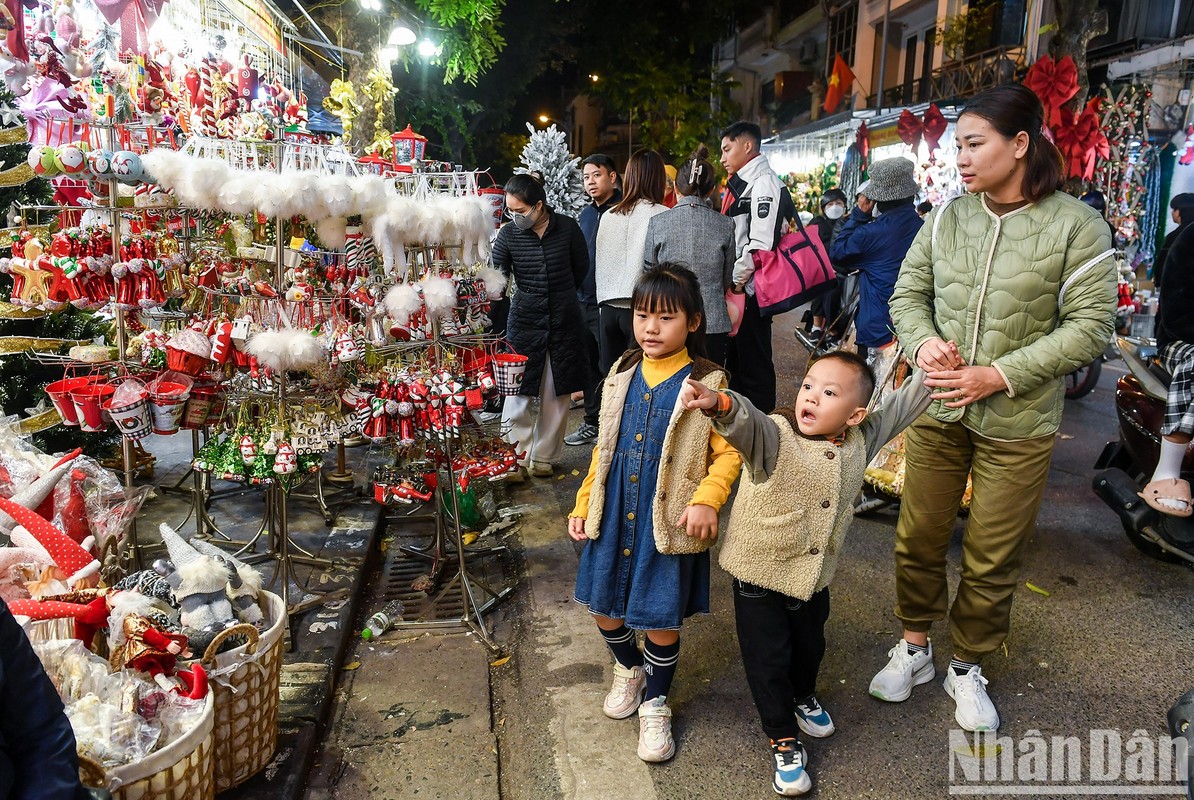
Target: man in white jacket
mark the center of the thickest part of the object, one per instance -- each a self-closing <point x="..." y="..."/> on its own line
<point x="759" y="205"/>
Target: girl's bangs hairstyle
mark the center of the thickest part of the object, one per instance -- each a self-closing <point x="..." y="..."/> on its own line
<point x="671" y="289"/>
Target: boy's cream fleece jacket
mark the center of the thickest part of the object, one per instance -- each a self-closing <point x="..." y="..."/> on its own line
<point x="796" y="500"/>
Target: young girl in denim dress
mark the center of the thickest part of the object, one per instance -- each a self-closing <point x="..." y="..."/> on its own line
<point x="648" y="506"/>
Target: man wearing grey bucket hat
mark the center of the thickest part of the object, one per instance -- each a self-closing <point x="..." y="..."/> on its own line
<point x="875" y="246"/>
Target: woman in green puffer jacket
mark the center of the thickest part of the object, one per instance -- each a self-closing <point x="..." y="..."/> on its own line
<point x="1004" y="291"/>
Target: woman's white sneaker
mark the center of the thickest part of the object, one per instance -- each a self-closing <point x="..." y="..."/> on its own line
<point x="975" y="711"/>
<point x="904" y="670"/>
<point x="655" y="742"/>
<point x="626" y="693"/>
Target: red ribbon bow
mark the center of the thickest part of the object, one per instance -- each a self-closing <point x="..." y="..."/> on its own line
<point x="1055" y="83"/>
<point x="1080" y="138"/>
<point x="911" y="129"/>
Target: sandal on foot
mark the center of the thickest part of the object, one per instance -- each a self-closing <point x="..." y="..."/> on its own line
<point x="1160" y="494"/>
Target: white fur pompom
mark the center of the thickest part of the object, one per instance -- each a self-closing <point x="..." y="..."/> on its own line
<point x="439" y="294"/>
<point x="495" y="283"/>
<point x="337" y="195"/>
<point x="402" y="301"/>
<point x="286" y="349"/>
<point x="332" y="232"/>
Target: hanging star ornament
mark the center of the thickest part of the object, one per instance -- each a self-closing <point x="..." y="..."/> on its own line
<point x="10" y="116"/>
<point x="40" y="408"/>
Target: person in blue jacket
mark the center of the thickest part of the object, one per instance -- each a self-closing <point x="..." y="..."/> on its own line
<point x="875" y="246"/>
<point x="37" y="745"/>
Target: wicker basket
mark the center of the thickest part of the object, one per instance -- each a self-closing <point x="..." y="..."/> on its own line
<point x="244" y="682"/>
<point x="180" y="771"/>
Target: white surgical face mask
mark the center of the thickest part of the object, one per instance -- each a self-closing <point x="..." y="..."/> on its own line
<point x="835" y="211"/>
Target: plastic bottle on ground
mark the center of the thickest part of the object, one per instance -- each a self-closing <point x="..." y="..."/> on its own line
<point x="383" y="620"/>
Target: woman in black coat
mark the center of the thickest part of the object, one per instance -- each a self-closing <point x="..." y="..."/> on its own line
<point x="548" y="257"/>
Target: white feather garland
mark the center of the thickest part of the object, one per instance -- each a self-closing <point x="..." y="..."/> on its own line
<point x="439" y="294"/>
<point x="495" y="282"/>
<point x="332" y="232"/>
<point x="402" y="301"/>
<point x="286" y="349"/>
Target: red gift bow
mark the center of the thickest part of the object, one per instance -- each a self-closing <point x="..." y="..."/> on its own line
<point x="932" y="128"/>
<point x="1055" y="83"/>
<point x="1080" y="139"/>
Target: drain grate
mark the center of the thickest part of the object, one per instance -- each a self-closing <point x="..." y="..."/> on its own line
<point x="444" y="602"/>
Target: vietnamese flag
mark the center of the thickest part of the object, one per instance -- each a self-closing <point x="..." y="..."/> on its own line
<point x="840" y="81"/>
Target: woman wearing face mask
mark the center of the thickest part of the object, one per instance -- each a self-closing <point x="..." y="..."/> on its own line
<point x="833" y="213"/>
<point x="547" y="255"/>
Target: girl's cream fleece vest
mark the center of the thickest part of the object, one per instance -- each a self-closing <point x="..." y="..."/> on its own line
<point x="784" y="533"/>
<point x="683" y="464"/>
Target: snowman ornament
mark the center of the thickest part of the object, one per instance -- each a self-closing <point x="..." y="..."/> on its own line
<point x="248" y="449"/>
<point x="286" y="461"/>
<point x="346" y="348"/>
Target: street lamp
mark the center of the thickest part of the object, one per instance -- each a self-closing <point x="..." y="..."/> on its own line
<point x="402" y="36"/>
<point x="428" y="48"/>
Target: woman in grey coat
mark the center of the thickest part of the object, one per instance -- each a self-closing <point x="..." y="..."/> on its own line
<point x="694" y="235"/>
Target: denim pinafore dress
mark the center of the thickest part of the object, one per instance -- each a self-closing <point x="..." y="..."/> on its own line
<point x="621" y="574"/>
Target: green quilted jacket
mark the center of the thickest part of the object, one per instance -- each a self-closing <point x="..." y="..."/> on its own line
<point x="1031" y="293"/>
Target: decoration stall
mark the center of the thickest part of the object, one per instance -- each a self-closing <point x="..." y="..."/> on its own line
<point x="269" y="295"/>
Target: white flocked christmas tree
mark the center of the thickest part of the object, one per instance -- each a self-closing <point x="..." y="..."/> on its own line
<point x="547" y="153"/>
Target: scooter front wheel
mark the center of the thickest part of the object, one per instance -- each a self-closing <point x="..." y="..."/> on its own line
<point x="1082" y="381"/>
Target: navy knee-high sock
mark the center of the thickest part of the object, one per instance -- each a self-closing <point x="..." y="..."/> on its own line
<point x="660" y="666"/>
<point x="624" y="645"/>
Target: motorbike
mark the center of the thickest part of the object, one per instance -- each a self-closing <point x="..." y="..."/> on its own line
<point x="1126" y="465"/>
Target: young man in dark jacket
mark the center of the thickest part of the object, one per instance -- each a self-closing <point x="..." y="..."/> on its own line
<point x="601" y="184"/>
<point x="876" y="246"/>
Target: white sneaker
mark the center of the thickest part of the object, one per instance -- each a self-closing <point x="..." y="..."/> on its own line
<point x="626" y="693"/>
<point x="906" y="669"/>
<point x="655" y="742"/>
<point x="975" y="711"/>
<point x="541" y="469"/>
<point x="791" y="778"/>
<point x="813" y="719"/>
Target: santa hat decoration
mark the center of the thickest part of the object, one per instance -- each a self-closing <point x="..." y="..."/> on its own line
<point x="36" y="493"/>
<point x="89" y="617"/>
<point x="69" y="555"/>
<point x="199" y="574"/>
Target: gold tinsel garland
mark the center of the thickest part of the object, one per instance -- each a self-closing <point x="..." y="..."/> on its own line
<point x="14" y="135"/>
<point x="9" y="311"/>
<point x="43" y="421"/>
<point x="11" y="345"/>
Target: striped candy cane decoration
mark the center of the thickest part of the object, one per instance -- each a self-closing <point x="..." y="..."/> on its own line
<point x="352" y="250"/>
<point x="368" y="254"/>
<point x="207" y="111"/>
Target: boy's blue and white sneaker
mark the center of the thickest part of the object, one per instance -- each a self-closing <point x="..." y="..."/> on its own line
<point x="904" y="670"/>
<point x="791" y="779"/>
<point x="813" y="719"/>
<point x="974" y="709"/>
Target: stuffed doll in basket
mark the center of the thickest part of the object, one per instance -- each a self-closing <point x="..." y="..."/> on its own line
<point x="200" y="585"/>
<point x="244" y="584"/>
<point x="141" y="637"/>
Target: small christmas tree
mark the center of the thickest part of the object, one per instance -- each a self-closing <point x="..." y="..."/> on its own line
<point x="547" y="153"/>
<point x="23" y="379"/>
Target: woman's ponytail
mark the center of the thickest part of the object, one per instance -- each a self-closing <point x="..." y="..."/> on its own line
<point x="696" y="176"/>
<point x="1045" y="170"/>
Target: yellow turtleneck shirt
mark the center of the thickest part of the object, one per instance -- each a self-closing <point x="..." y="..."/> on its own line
<point x="724" y="459"/>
